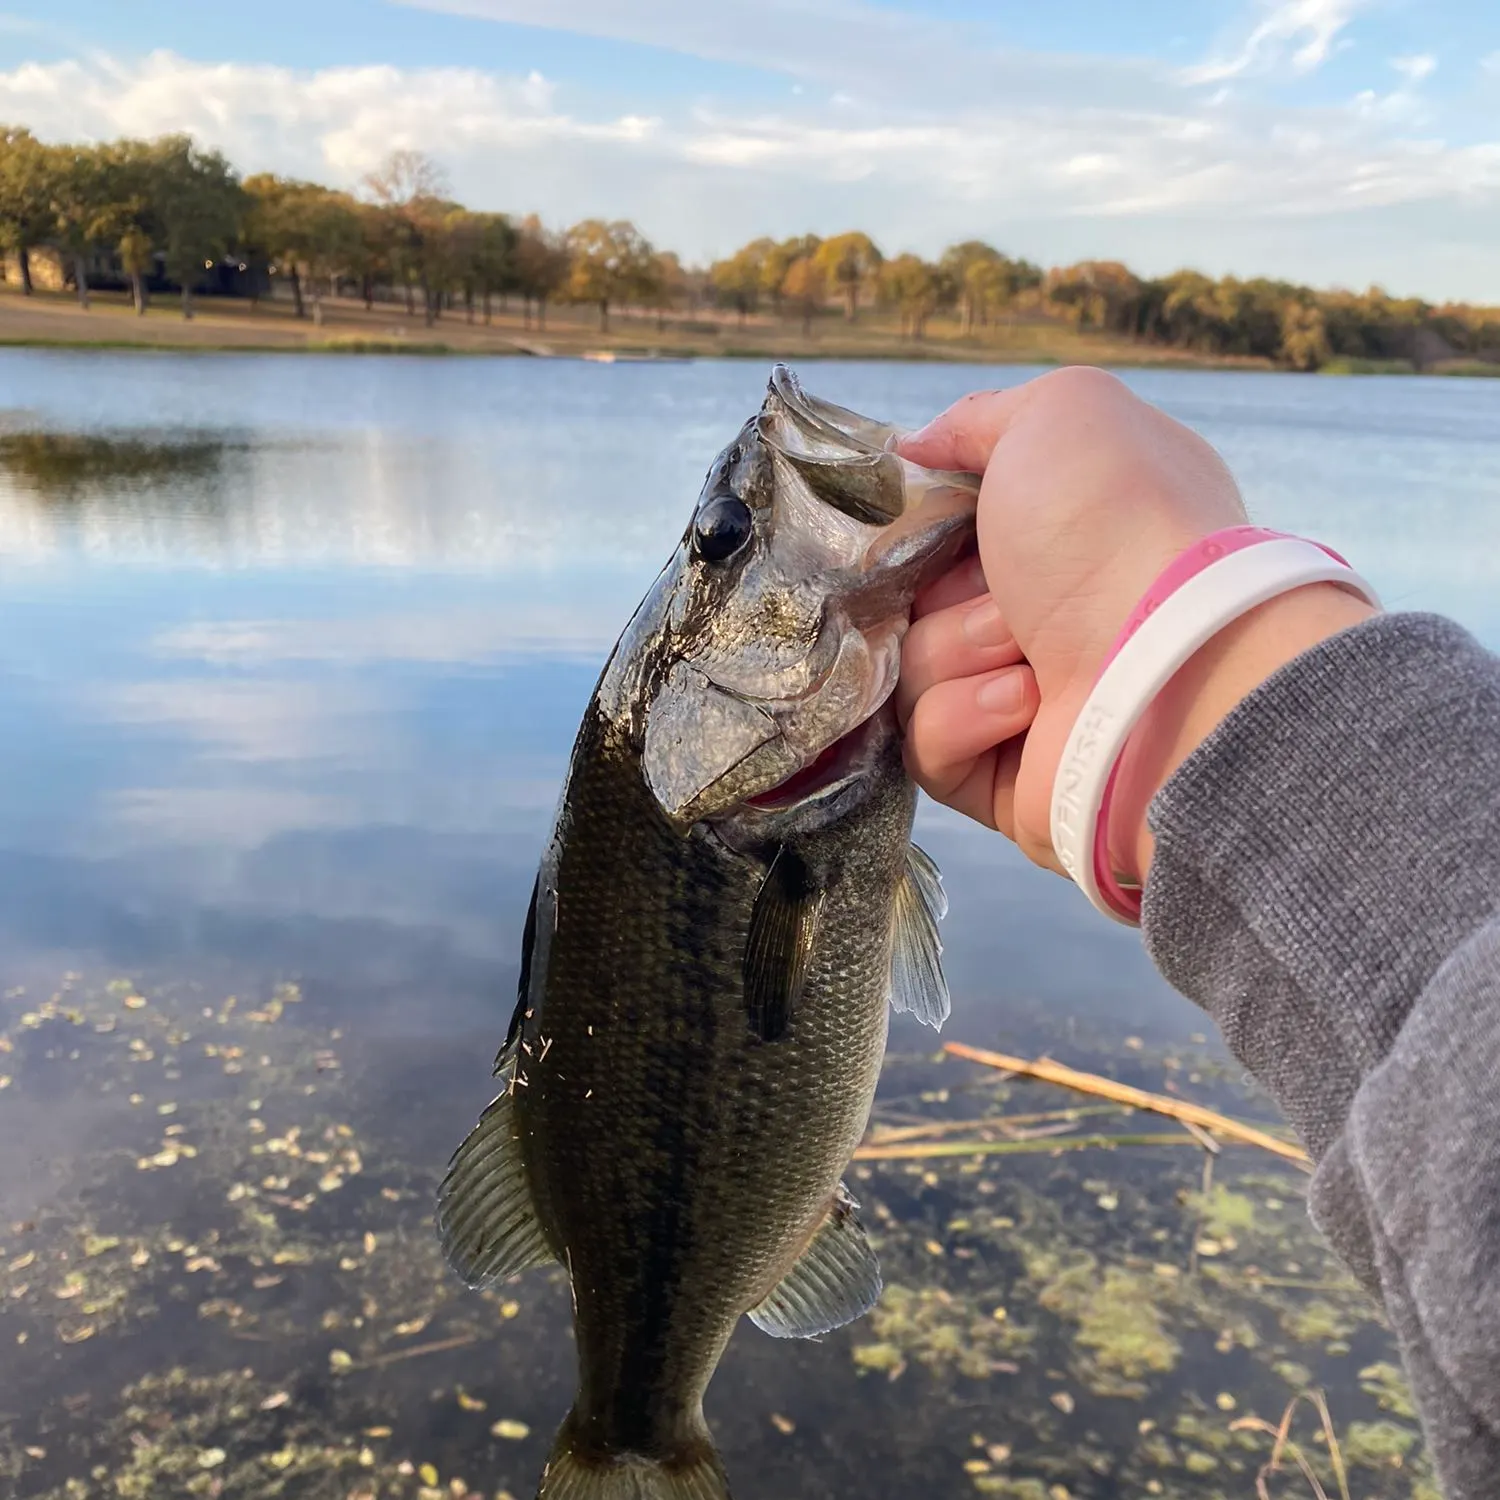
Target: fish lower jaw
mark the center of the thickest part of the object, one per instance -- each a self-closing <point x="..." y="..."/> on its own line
<point x="844" y="762"/>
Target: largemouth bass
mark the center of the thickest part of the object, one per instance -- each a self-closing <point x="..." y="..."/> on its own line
<point x="728" y="903"/>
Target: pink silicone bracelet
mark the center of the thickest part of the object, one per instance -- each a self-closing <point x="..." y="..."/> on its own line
<point x="1184" y="566"/>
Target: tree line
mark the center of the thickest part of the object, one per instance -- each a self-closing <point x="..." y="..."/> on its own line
<point x="169" y="211"/>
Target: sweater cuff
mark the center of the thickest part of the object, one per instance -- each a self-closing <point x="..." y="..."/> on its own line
<point x="1320" y="855"/>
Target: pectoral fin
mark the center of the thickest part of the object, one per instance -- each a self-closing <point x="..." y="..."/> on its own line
<point x="782" y="927"/>
<point x="836" y="1280"/>
<point x="917" y="983"/>
<point x="486" y="1217"/>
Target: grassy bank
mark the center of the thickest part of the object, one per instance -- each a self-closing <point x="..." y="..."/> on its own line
<point x="55" y="320"/>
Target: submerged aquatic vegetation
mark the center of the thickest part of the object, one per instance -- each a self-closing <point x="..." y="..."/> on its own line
<point x="274" y="1295"/>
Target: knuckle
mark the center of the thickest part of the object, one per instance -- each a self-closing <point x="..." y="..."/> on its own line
<point x="1085" y="382"/>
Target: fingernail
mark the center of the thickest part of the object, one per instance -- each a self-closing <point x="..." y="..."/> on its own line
<point x="908" y="439"/>
<point x="1003" y="694"/>
<point x="984" y="625"/>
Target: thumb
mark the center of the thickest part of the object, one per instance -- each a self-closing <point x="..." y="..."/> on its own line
<point x="964" y="436"/>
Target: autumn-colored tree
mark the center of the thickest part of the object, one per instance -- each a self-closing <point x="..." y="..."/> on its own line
<point x="805" y="288"/>
<point x="665" y="287"/>
<point x="850" y="262"/>
<point x="777" y="262"/>
<point x="609" y="263"/>
<point x="739" y="281"/>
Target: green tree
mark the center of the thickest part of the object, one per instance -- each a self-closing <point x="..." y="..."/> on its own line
<point x="494" y="257"/>
<point x="610" y="261"/>
<point x="138" y="259"/>
<point x="910" y="284"/>
<point x="405" y="187"/>
<point x="976" y="288"/>
<point x="1098" y="294"/>
<point x="1304" y="336"/>
<point x="201" y="204"/>
<point x="276" y="226"/>
<point x="436" y="251"/>
<point x="132" y="219"/>
<point x="83" y="206"/>
<point x="850" y="261"/>
<point x="28" y="180"/>
<point x="334" y="243"/>
<point x="542" y="268"/>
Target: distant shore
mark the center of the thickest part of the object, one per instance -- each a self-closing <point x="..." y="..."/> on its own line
<point x="54" y="320"/>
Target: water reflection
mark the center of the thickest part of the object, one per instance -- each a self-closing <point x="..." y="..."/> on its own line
<point x="58" y="465"/>
<point x="295" y="650"/>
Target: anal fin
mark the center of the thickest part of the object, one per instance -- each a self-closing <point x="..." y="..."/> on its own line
<point x="917" y="984"/>
<point x="486" y="1217"/>
<point x="835" y="1280"/>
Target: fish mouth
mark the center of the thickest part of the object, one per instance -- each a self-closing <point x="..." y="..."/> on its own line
<point x="843" y="762"/>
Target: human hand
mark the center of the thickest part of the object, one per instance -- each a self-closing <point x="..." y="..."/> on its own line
<point x="1088" y="492"/>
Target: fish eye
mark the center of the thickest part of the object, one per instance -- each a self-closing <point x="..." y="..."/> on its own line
<point x="723" y="527"/>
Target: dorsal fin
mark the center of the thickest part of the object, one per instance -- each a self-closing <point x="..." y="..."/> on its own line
<point x="523" y="985"/>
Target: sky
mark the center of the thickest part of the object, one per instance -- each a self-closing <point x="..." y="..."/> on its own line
<point x="1335" y="142"/>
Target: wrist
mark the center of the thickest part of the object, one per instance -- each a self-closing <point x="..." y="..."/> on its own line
<point x="1201" y="695"/>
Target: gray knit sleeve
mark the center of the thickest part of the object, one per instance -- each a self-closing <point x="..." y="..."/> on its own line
<point x="1326" y="884"/>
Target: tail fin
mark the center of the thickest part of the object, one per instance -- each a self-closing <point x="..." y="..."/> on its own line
<point x="694" y="1474"/>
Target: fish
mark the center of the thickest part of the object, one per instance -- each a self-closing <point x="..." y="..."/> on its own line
<point x="727" y="907"/>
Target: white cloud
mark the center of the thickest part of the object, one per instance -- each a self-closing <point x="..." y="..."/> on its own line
<point x="1299" y="34"/>
<point x="341" y="120"/>
<point x="450" y="637"/>
<point x="1180" y="174"/>
<point x="263" y="720"/>
<point x="237" y="816"/>
<point x="1403" y="104"/>
<point x="1415" y="69"/>
<point x="1491" y="63"/>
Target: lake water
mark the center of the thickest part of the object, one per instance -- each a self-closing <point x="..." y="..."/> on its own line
<point x="293" y="654"/>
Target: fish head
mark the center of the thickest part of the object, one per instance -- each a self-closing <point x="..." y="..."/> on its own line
<point x="776" y="629"/>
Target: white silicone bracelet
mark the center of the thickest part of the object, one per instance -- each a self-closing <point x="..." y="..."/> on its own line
<point x="1181" y="623"/>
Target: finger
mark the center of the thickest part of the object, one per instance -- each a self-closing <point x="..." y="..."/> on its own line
<point x="964" y="436"/>
<point x="988" y="792"/>
<point x="1003" y="785"/>
<point x="964" y="640"/>
<point x="962" y="581"/>
<point x="957" y="722"/>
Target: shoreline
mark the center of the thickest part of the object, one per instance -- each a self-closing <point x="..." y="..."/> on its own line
<point x="376" y="348"/>
<point x="51" y="321"/>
